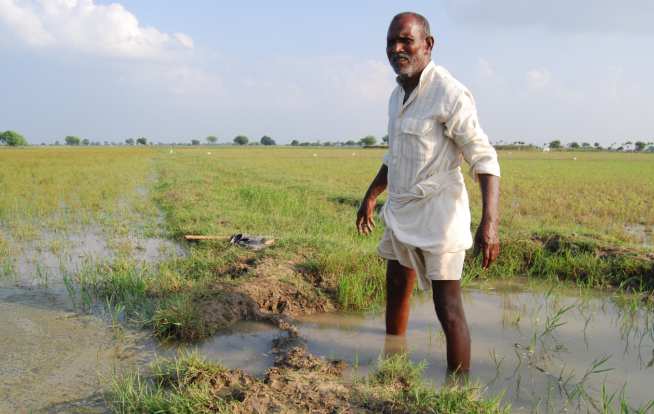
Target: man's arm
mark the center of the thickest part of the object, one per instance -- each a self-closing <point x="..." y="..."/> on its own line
<point x="365" y="222"/>
<point x="487" y="238"/>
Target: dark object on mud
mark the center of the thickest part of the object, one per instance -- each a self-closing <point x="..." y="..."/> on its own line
<point x="244" y="240"/>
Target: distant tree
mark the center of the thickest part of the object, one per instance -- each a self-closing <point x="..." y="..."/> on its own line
<point x="195" y="142"/>
<point x="85" y="141"/>
<point x="72" y="140"/>
<point x="555" y="144"/>
<point x="129" y="141"/>
<point x="327" y="144"/>
<point x="573" y="145"/>
<point x="585" y="144"/>
<point x="597" y="145"/>
<point x="385" y="139"/>
<point x="142" y="141"/>
<point x="241" y="140"/>
<point x="295" y="143"/>
<point x="369" y="140"/>
<point x="266" y="140"/>
<point x="57" y="143"/>
<point x="305" y="144"/>
<point x="350" y="143"/>
<point x="640" y="145"/>
<point x="211" y="139"/>
<point x="12" y="138"/>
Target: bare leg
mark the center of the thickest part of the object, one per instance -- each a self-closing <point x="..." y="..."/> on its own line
<point x="399" y="286"/>
<point x="394" y="344"/>
<point x="449" y="309"/>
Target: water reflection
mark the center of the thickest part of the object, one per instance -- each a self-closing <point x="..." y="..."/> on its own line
<point x="546" y="351"/>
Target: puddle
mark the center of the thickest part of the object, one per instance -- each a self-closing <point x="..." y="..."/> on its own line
<point x="643" y="234"/>
<point x="55" y="360"/>
<point x="52" y="358"/>
<point x="502" y="324"/>
<point x="44" y="262"/>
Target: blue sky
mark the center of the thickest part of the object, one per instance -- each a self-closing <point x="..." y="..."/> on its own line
<point x="173" y="71"/>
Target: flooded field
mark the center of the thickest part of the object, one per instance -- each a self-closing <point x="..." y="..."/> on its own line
<point x="545" y="352"/>
<point x="93" y="285"/>
<point x="56" y="360"/>
<point x="54" y="357"/>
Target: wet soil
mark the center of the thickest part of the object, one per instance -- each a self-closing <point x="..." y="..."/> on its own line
<point x="272" y="293"/>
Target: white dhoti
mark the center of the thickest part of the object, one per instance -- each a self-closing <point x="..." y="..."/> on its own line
<point x="427" y="230"/>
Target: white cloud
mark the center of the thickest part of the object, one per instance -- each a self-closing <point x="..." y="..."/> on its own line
<point x="24" y="23"/>
<point x="538" y="79"/>
<point x="84" y="26"/>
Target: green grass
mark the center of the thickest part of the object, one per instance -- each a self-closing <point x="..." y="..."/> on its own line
<point x="187" y="384"/>
<point x="562" y="219"/>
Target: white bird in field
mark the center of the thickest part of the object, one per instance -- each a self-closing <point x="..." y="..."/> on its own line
<point x="170" y="152"/>
<point x="574" y="158"/>
<point x="208" y="153"/>
<point x="354" y="154"/>
<point x="315" y="155"/>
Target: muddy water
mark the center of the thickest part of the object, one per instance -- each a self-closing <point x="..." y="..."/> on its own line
<point x="52" y="358"/>
<point x="545" y="374"/>
<point x="56" y="360"/>
<point x="44" y="262"/>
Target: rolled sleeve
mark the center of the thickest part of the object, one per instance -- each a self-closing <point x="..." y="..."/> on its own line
<point x="463" y="128"/>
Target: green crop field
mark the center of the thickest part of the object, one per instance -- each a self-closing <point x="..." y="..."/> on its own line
<point x="581" y="217"/>
<point x="561" y="211"/>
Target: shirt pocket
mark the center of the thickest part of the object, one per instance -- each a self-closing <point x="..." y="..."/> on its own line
<point x="417" y="142"/>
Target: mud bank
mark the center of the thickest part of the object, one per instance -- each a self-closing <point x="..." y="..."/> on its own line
<point x="262" y="291"/>
<point x="299" y="382"/>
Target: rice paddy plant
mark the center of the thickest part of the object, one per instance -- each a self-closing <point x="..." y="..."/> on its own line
<point x="555" y="226"/>
<point x="178" y="317"/>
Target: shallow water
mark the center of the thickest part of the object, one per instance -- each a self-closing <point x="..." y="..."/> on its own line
<point x="56" y="360"/>
<point x="542" y="378"/>
<point x="643" y="234"/>
<point x="43" y="262"/>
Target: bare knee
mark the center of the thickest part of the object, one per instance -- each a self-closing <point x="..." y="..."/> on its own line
<point x="450" y="315"/>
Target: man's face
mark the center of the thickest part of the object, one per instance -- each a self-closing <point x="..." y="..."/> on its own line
<point x="407" y="47"/>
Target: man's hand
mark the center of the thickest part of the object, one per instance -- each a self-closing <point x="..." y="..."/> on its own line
<point x="487" y="239"/>
<point x="487" y="242"/>
<point x="365" y="221"/>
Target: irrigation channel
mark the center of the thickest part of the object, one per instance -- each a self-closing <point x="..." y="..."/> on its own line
<point x="545" y="350"/>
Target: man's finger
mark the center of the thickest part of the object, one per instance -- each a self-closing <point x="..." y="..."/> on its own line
<point x="495" y="252"/>
<point x="486" y="256"/>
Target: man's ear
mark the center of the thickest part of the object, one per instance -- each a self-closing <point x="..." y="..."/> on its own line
<point x="430" y="42"/>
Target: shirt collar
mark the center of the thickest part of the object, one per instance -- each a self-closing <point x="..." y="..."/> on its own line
<point x="430" y="66"/>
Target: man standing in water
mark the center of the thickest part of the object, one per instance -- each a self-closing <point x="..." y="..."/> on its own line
<point x="432" y="123"/>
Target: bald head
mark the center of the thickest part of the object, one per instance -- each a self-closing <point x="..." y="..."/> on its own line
<point x="418" y="19"/>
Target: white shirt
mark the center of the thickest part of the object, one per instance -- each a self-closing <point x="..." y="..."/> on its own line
<point x="428" y="136"/>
